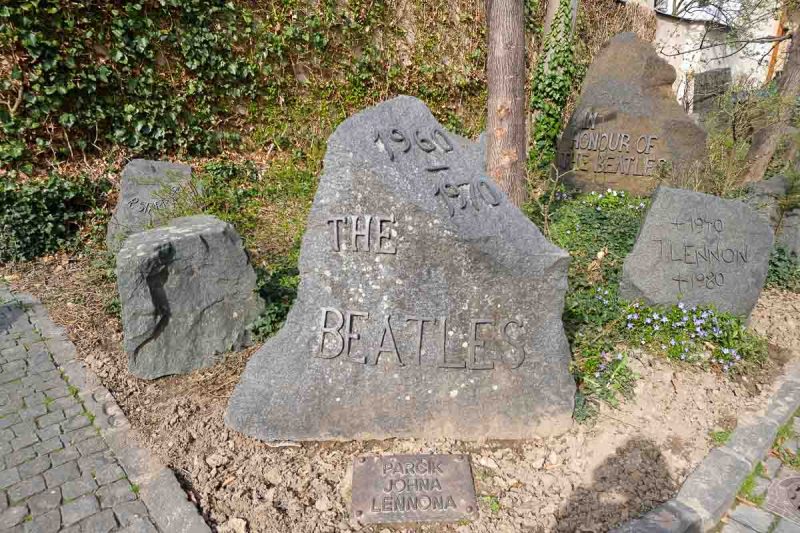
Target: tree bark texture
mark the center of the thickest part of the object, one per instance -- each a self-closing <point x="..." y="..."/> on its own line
<point x="505" y="125"/>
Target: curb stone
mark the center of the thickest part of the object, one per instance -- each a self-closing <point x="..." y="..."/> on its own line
<point x="711" y="488"/>
<point x="159" y="489"/>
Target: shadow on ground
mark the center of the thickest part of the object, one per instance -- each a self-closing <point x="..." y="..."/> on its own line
<point x="627" y="484"/>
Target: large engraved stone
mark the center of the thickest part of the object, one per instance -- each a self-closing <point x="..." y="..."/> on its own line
<point x="627" y="124"/>
<point x="188" y="293"/>
<point x="147" y="190"/>
<point x="699" y="249"/>
<point x="428" y="305"/>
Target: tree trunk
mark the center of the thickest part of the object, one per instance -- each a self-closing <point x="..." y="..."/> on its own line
<point x="505" y="125"/>
<point x="767" y="140"/>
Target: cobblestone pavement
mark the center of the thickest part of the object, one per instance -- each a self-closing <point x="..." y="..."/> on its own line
<point x="760" y="518"/>
<point x="57" y="472"/>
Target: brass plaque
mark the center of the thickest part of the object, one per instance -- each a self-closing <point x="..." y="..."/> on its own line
<point x="413" y="488"/>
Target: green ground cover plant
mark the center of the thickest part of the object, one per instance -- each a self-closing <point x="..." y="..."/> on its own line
<point x="748" y="488"/>
<point x="41" y="216"/>
<point x="785" y="445"/>
<point x="720" y="437"/>
<point x="784" y="270"/>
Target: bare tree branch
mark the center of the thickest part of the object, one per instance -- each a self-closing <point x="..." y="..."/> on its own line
<point x="744" y="42"/>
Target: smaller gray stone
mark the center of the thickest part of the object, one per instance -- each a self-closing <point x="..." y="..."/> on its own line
<point x="79" y="435"/>
<point x="78" y="487"/>
<point x="672" y="251"/>
<point x="64" y="456"/>
<point x="140" y="526"/>
<point x="761" y="486"/>
<point x="9" y="420"/>
<point x="788" y="235"/>
<point x="65" y="403"/>
<point x="753" y="439"/>
<point x="671" y="517"/>
<point x="48" y="446"/>
<point x="24" y="440"/>
<point x="99" y="523"/>
<point x="757" y="519"/>
<point x="93" y="445"/>
<point x="25" y="489"/>
<point x="20" y="456"/>
<point x="79" y="509"/>
<point x="765" y="196"/>
<point x="188" y="293"/>
<point x="129" y="512"/>
<point x="13" y="516"/>
<point x="735" y="527"/>
<point x="24" y="428"/>
<point x="75" y="422"/>
<point x="95" y="461"/>
<point x="7" y="435"/>
<point x="786" y="526"/>
<point x="8" y="477"/>
<point x="61" y="474"/>
<point x="45" y="501"/>
<point x="712" y="487"/>
<point x="146" y="190"/>
<point x="30" y="413"/>
<point x="108" y="474"/>
<point x="49" y="419"/>
<point x="783" y="403"/>
<point x="771" y="466"/>
<point x="115" y="493"/>
<point x="36" y="466"/>
<point x="47" y="523"/>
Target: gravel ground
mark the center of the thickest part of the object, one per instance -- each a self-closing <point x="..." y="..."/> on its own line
<point x="593" y="477"/>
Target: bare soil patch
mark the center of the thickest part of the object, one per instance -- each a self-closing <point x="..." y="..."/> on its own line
<point x="595" y="476"/>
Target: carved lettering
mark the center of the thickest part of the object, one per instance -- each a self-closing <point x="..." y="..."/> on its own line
<point x="385" y="235"/>
<point x="331" y="330"/>
<point x="390" y="348"/>
<point x="475" y="343"/>
<point x="350" y="336"/>
<point x="360" y="234"/>
<point x="421" y="321"/>
<point x="334" y="225"/>
<point x="355" y="233"/>
<point x="339" y="332"/>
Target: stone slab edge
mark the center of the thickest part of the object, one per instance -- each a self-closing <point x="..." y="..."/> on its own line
<point x="711" y="488"/>
<point x="159" y="490"/>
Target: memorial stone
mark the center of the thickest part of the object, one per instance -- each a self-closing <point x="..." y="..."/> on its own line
<point x="708" y="87"/>
<point x="429" y="306"/>
<point x="699" y="249"/>
<point x="627" y="126"/>
<point x="147" y="190"/>
<point x="188" y="293"/>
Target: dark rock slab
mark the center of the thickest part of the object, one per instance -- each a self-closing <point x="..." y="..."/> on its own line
<point x="147" y="190"/>
<point x="699" y="249"/>
<point x="445" y="321"/>
<point x="188" y="292"/>
<point x="627" y="124"/>
<point x="788" y="235"/>
<point x="765" y="198"/>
